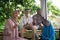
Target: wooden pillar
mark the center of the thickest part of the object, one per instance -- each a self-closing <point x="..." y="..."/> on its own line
<point x="44" y="8"/>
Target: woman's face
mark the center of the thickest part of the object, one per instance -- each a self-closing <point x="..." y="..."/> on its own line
<point x="47" y="23"/>
<point x="15" y="15"/>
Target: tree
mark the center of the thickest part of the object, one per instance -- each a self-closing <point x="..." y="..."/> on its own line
<point x="7" y="6"/>
<point x="53" y="9"/>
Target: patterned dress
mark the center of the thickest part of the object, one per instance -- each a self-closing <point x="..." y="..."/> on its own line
<point x="8" y="34"/>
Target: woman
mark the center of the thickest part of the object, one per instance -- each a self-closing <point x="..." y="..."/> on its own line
<point x="48" y="32"/>
<point x="11" y="29"/>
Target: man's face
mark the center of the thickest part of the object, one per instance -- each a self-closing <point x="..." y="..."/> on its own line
<point x="39" y="12"/>
<point x="27" y="12"/>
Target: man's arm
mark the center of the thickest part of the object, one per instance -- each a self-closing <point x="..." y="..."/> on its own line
<point x="45" y="22"/>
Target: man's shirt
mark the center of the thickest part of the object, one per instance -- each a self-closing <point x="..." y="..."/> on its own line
<point x="25" y="20"/>
<point x="37" y="18"/>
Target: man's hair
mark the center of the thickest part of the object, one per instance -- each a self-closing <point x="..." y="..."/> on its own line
<point x="26" y="9"/>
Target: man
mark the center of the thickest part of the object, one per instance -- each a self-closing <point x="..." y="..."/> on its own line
<point x="37" y="19"/>
<point x="47" y="31"/>
<point x="26" y="23"/>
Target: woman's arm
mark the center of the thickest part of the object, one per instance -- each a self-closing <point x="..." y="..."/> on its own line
<point x="7" y="29"/>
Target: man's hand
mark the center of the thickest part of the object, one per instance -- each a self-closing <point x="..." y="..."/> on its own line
<point x="27" y="25"/>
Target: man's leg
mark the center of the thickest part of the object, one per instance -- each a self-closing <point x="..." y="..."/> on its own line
<point x="33" y="32"/>
<point x="22" y="32"/>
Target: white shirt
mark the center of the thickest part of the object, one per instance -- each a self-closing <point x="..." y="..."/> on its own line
<point x="25" y="20"/>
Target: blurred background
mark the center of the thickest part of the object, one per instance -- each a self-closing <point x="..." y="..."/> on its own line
<point x="53" y="11"/>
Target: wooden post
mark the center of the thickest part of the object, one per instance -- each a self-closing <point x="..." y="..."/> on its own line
<point x="44" y="8"/>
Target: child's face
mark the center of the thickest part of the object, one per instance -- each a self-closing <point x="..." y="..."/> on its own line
<point x="34" y="20"/>
<point x="47" y="23"/>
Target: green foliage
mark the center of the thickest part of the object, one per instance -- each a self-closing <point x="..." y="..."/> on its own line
<point x="53" y="9"/>
<point x="5" y="11"/>
<point x="51" y="17"/>
<point x="55" y="25"/>
<point x="58" y="20"/>
<point x="7" y="6"/>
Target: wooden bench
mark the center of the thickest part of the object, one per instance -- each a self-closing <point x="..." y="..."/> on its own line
<point x="28" y="34"/>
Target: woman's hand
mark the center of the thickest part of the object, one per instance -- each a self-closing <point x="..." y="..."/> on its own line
<point x="15" y="25"/>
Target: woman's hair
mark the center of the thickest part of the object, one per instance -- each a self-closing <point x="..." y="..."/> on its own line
<point x="15" y="11"/>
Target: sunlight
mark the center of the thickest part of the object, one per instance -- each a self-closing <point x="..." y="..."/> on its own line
<point x="56" y="3"/>
<point x="37" y="2"/>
